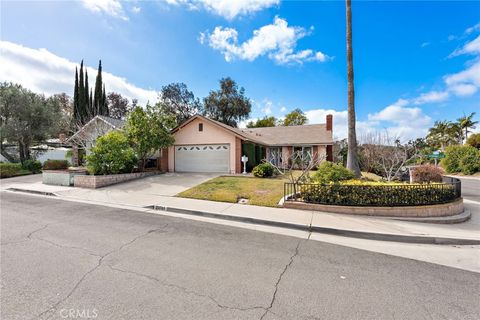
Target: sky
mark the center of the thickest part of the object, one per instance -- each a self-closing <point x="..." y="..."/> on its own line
<point x="415" y="62"/>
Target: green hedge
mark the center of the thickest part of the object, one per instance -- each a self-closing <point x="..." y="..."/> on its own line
<point x="254" y="153"/>
<point x="8" y="170"/>
<point x="377" y="195"/>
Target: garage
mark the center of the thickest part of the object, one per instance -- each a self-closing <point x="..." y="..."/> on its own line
<point x="202" y="158"/>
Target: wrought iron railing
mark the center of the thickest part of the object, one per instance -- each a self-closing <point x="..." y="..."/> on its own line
<point x="384" y="195"/>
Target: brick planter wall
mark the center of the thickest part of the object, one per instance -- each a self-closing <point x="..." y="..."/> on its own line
<point x="94" y="182"/>
<point x="437" y="210"/>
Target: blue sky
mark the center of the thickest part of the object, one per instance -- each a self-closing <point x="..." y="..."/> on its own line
<point x="415" y="62"/>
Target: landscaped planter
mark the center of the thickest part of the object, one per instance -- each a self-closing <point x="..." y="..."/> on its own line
<point x="93" y="182"/>
<point x="61" y="177"/>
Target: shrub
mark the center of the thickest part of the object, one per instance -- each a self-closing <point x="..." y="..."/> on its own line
<point x="470" y="163"/>
<point x="248" y="149"/>
<point x="112" y="154"/>
<point x="330" y="172"/>
<point x="8" y="170"/>
<point x="263" y="170"/>
<point x="453" y="156"/>
<point x="474" y="140"/>
<point x="33" y="166"/>
<point x="55" y="165"/>
<point x="426" y="173"/>
<point x="378" y="195"/>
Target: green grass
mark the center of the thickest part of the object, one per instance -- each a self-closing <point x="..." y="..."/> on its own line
<point x="9" y="170"/>
<point x="259" y="191"/>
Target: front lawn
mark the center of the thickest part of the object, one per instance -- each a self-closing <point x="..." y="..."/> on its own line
<point x="259" y="191"/>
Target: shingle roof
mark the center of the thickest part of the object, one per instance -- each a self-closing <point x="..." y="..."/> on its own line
<point x="277" y="136"/>
<point x="291" y="135"/>
<point x="116" y="123"/>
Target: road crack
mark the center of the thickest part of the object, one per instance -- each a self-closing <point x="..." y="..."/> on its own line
<point x="29" y="235"/>
<point x="86" y="274"/>
<point x="186" y="290"/>
<point x="287" y="266"/>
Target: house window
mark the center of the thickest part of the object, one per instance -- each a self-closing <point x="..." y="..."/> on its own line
<point x="302" y="156"/>
<point x="200" y="127"/>
<point x="274" y="156"/>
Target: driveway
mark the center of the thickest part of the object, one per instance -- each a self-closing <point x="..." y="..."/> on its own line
<point x="140" y="192"/>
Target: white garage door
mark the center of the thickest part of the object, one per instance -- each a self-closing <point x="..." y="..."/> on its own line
<point x="202" y="158"/>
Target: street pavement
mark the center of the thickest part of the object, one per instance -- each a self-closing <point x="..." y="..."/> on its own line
<point x="471" y="188"/>
<point x="71" y="260"/>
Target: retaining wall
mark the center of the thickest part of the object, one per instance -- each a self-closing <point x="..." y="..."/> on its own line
<point x="100" y="181"/>
<point x="438" y="210"/>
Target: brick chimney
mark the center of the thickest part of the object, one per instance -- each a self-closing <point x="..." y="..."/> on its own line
<point x="329" y="122"/>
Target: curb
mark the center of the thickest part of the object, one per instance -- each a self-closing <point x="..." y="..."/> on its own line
<point x="43" y="193"/>
<point x="324" y="230"/>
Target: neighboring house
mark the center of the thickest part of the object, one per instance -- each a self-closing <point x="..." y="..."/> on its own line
<point x="85" y="137"/>
<point x="205" y="145"/>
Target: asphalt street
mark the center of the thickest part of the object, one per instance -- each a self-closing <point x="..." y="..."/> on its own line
<point x="471" y="189"/>
<point x="68" y="260"/>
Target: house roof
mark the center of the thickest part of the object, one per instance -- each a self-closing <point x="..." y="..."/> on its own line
<point x="275" y="136"/>
<point x="114" y="123"/>
<point x="292" y="135"/>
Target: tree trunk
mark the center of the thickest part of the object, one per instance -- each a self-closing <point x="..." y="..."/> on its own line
<point x="352" y="156"/>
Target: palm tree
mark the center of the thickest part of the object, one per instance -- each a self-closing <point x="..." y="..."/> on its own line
<point x="352" y="156"/>
<point x="465" y="123"/>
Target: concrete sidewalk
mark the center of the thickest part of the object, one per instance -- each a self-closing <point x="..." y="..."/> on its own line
<point x="321" y="222"/>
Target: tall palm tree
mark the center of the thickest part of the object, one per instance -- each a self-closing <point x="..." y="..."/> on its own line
<point x="352" y="156"/>
<point x="465" y="123"/>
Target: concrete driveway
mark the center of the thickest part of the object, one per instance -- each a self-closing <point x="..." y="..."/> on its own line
<point x="140" y="192"/>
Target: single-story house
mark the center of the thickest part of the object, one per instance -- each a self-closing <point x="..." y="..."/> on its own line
<point x="205" y="145"/>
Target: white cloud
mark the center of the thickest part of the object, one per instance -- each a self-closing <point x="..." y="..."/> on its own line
<point x="136" y="9"/>
<point x="277" y="41"/>
<point x="110" y="7"/>
<point x="283" y="109"/>
<point x="471" y="47"/>
<point x="431" y="97"/>
<point x="228" y="9"/>
<point x="425" y="44"/>
<point x="473" y="28"/>
<point x="267" y="108"/>
<point x="466" y="82"/>
<point x="44" y="72"/>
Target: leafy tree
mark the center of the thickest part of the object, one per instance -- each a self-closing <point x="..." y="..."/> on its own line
<point x="179" y="101"/>
<point x="148" y="130"/>
<point x="261" y="123"/>
<point x="295" y="118"/>
<point x="26" y="117"/>
<point x="64" y="104"/>
<point x="465" y="123"/>
<point x="98" y="94"/>
<point x="82" y="102"/>
<point x="111" y="154"/>
<point x="77" y="118"/>
<point x="229" y="104"/>
<point x="118" y="106"/>
<point x="474" y="140"/>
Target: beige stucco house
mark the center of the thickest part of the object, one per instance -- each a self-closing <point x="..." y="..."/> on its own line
<point x="205" y="145"/>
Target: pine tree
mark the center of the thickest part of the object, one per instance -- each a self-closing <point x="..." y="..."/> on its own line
<point x="76" y="111"/>
<point x="81" y="97"/>
<point x="98" y="97"/>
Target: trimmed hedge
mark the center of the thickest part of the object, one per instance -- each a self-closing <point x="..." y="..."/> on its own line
<point x="263" y="170"/>
<point x="377" y="195"/>
<point x="55" y="165"/>
<point x="8" y="170"/>
<point x="34" y="166"/>
<point x="331" y="172"/>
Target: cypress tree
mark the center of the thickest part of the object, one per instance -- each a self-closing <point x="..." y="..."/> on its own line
<point x="88" y="110"/>
<point x="104" y="102"/>
<point x="81" y="97"/>
<point x="76" y="115"/>
<point x="91" y="101"/>
<point x="98" y="97"/>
